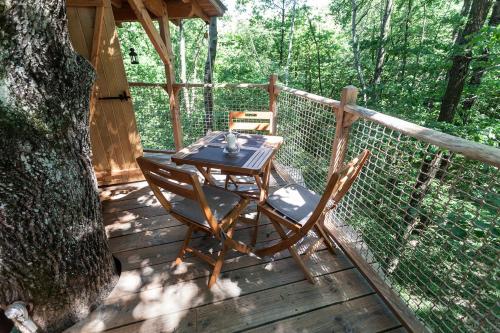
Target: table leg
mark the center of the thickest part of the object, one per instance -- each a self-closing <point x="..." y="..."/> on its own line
<point x="267" y="177"/>
<point x="207" y="175"/>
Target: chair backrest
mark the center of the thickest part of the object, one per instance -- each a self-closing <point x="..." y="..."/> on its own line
<point x="338" y="185"/>
<point x="180" y="182"/>
<point x="251" y="121"/>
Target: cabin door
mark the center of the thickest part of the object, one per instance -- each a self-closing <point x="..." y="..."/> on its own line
<point x="113" y="132"/>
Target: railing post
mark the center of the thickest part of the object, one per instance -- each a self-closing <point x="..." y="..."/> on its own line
<point x="344" y="121"/>
<point x="273" y="93"/>
<point x="170" y="76"/>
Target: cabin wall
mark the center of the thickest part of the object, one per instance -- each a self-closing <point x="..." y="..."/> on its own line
<point x="113" y="132"/>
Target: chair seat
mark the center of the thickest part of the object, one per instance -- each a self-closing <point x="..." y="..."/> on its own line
<point x="295" y="202"/>
<point x="220" y="201"/>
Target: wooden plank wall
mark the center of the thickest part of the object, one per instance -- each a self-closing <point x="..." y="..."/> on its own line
<point x="113" y="131"/>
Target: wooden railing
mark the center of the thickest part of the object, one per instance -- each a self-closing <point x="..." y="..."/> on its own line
<point x="412" y="191"/>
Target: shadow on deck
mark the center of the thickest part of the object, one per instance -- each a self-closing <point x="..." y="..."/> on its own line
<point x="252" y="294"/>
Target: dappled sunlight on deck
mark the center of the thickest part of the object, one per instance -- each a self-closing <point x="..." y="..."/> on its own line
<point x="261" y="294"/>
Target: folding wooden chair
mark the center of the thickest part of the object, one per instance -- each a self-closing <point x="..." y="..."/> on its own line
<point x="295" y="210"/>
<point x="206" y="208"/>
<point x="247" y="121"/>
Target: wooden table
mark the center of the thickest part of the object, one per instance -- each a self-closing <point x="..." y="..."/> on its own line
<point x="254" y="158"/>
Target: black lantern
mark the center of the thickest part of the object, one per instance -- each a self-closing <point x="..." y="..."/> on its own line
<point x="133" y="57"/>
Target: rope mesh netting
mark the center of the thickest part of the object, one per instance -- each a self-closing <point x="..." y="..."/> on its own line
<point x="426" y="219"/>
<point x="153" y="117"/>
<point x="152" y="114"/>
<point x="423" y="217"/>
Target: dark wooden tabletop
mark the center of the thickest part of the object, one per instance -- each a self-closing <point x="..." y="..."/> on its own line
<point x="255" y="152"/>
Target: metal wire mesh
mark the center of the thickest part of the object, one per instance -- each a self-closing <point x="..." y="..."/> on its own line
<point x="426" y="219"/>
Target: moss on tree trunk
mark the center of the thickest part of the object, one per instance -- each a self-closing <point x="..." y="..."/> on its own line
<point x="53" y="248"/>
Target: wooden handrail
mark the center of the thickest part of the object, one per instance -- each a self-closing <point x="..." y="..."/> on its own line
<point x="202" y="85"/>
<point x="313" y="97"/>
<point x="467" y="148"/>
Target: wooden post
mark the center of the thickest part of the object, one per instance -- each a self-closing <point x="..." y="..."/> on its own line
<point x="344" y="121"/>
<point x="94" y="54"/>
<point x="273" y="93"/>
<point x="163" y="45"/>
<point x="170" y="75"/>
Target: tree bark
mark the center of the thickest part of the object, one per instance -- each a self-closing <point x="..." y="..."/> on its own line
<point x="53" y="248"/>
<point x="480" y="68"/>
<point x="384" y="34"/>
<point x="461" y="61"/>
<point x="182" y="56"/>
<point x="208" y="96"/>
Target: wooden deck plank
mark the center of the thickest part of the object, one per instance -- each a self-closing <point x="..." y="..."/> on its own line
<point x="365" y="314"/>
<point x="133" y="214"/>
<point x="259" y="294"/>
<point x="156" y="276"/>
<point x="152" y="255"/>
<point x="152" y="237"/>
<point x="281" y="302"/>
<point x="183" y="295"/>
<point x="119" y="229"/>
<point x="183" y="321"/>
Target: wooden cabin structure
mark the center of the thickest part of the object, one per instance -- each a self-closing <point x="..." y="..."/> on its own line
<point x="92" y="27"/>
<point x="360" y="289"/>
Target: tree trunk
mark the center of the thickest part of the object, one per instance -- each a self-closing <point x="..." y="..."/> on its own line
<point x="460" y="67"/>
<point x="194" y="77"/>
<point x="208" y="96"/>
<point x="480" y="68"/>
<point x="290" y="43"/>
<point x="53" y="248"/>
<point x="384" y="34"/>
<point x="420" y="48"/>
<point x="355" y="47"/>
<point x="318" y="57"/>
<point x="282" y="37"/>
<point x="182" y="56"/>
<point x="463" y="15"/>
<point x="409" y="9"/>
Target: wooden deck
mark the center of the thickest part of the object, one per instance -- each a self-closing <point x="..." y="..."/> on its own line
<point x="251" y="295"/>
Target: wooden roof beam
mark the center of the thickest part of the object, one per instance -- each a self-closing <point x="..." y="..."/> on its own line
<point x="117" y="3"/>
<point x="144" y="18"/>
<point x="156" y="7"/>
<point x="86" y="3"/>
<point x="196" y="10"/>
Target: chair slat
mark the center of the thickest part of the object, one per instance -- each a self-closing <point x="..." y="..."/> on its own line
<point x="251" y="115"/>
<point x="240" y="124"/>
<point x="250" y="126"/>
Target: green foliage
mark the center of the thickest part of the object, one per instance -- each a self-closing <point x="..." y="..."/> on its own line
<point x="437" y="250"/>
